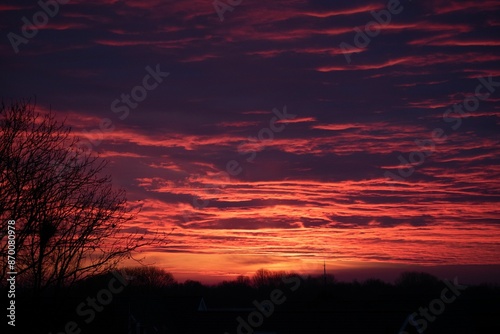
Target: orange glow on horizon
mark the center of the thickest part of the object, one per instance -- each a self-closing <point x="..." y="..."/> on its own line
<point x="212" y="256"/>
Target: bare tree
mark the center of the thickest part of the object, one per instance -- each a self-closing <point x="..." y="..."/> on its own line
<point x="70" y="221"/>
<point x="149" y="276"/>
<point x="264" y="278"/>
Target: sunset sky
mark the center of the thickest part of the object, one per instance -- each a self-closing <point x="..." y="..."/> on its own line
<point x="367" y="144"/>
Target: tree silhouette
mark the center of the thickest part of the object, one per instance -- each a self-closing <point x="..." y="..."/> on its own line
<point x="266" y="278"/>
<point x="149" y="276"/>
<point x="69" y="218"/>
<point x="410" y="279"/>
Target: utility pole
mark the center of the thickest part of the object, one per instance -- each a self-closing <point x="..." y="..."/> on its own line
<point x="324" y="272"/>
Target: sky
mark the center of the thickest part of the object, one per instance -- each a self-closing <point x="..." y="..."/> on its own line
<point x="281" y="134"/>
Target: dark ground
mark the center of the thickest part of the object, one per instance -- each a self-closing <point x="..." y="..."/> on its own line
<point x="290" y="305"/>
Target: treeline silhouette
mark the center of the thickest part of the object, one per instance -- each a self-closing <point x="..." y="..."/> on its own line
<point x="149" y="300"/>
